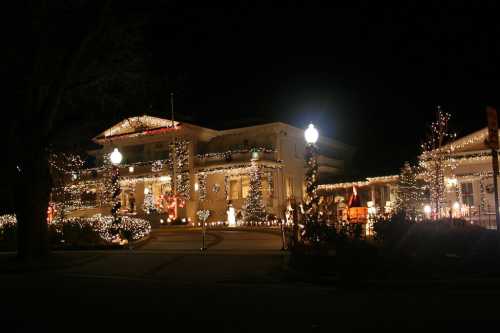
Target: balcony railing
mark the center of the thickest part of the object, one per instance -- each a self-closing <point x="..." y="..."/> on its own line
<point x="234" y="157"/>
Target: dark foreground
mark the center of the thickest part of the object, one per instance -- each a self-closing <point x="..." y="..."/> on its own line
<point x="169" y="284"/>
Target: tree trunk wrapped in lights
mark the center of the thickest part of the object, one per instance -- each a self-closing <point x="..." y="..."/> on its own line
<point x="311" y="179"/>
<point x="115" y="193"/>
<point x="435" y="159"/>
<point x="254" y="208"/>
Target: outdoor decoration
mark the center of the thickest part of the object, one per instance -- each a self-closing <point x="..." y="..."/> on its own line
<point x="148" y="205"/>
<point x="409" y="195"/>
<point x="226" y="155"/>
<point x="115" y="192"/>
<point x="254" y="207"/>
<point x="202" y="186"/>
<point x="157" y="166"/>
<point x="130" y="228"/>
<point x="231" y="216"/>
<point x="64" y="170"/>
<point x="203" y="214"/>
<point x="311" y="180"/>
<point x="435" y="159"/>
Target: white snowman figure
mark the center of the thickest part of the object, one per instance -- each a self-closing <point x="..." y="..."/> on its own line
<point x="231" y="216"/>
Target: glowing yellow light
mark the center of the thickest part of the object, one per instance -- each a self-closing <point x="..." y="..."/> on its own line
<point x="311" y="134"/>
<point x="116" y="157"/>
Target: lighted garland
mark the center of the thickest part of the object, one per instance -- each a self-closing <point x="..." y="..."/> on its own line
<point x="228" y="154"/>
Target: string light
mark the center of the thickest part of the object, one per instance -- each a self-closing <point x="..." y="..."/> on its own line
<point x="435" y="159"/>
<point x="254" y="209"/>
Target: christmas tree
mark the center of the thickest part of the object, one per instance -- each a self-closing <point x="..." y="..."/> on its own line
<point x="254" y="207"/>
<point x="409" y="194"/>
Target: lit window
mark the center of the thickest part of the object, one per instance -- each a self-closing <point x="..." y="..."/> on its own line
<point x="467" y="194"/>
<point x="245" y="183"/>
<point x="234" y="189"/>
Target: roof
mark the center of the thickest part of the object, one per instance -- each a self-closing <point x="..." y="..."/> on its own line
<point x="136" y="125"/>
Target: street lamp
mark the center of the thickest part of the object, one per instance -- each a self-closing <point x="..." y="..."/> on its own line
<point x="311" y="134"/>
<point x="311" y="208"/>
<point x="116" y="157"/>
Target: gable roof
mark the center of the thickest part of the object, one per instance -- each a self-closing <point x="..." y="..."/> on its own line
<point x="470" y="142"/>
<point x="137" y="124"/>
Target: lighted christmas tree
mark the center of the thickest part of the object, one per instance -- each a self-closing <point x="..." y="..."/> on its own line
<point x="410" y="195"/>
<point x="435" y="159"/>
<point x="254" y="208"/>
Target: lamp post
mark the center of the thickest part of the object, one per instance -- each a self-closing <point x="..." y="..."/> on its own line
<point x="311" y="177"/>
<point x="115" y="157"/>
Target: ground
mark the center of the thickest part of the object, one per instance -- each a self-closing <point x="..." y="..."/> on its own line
<point x="240" y="284"/>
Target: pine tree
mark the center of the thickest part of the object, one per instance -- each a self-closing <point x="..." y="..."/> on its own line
<point x="409" y="194"/>
<point x="254" y="208"/>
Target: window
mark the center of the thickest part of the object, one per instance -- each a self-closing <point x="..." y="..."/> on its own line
<point x="234" y="189"/>
<point x="467" y="194"/>
<point x="245" y="183"/>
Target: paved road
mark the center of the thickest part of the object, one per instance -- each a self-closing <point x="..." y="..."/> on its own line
<point x="232" y="287"/>
<point x="233" y="240"/>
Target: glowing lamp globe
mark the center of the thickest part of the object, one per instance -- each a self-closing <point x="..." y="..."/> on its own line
<point x="311" y="134"/>
<point x="427" y="209"/>
<point x="116" y="157"/>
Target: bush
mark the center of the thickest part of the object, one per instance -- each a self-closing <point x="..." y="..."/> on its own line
<point x="8" y="236"/>
<point x="436" y="238"/>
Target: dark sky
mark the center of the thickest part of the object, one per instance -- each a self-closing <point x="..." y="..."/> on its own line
<point x="365" y="74"/>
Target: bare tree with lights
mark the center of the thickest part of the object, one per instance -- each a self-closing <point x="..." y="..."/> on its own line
<point x="64" y="169"/>
<point x="435" y="159"/>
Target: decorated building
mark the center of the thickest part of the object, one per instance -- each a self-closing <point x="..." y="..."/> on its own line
<point x="180" y="168"/>
<point x="467" y="184"/>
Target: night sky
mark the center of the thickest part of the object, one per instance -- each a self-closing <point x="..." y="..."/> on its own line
<point x="365" y="74"/>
